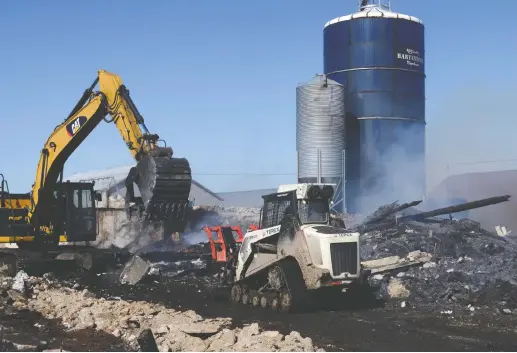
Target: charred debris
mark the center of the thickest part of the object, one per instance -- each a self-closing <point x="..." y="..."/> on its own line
<point x="462" y="264"/>
<point x="387" y="216"/>
<point x="433" y="259"/>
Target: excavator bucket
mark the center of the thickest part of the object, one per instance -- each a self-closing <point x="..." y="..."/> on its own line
<point x="164" y="185"/>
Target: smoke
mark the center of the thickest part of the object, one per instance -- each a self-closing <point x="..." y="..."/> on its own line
<point x="468" y="127"/>
<point x="217" y="216"/>
<point x="466" y="124"/>
<point x="392" y="165"/>
<point x="116" y="230"/>
<point x="194" y="238"/>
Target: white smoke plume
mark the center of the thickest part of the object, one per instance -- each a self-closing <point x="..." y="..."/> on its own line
<point x="395" y="173"/>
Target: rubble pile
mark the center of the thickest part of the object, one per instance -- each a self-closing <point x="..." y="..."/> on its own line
<point x="469" y="266"/>
<point x="173" y="330"/>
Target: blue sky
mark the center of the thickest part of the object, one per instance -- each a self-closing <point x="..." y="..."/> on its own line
<point x="217" y="80"/>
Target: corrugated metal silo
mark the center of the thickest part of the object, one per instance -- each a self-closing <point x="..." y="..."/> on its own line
<point x="378" y="55"/>
<point x="320" y="131"/>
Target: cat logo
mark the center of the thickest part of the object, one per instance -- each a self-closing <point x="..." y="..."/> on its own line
<point x="75" y="125"/>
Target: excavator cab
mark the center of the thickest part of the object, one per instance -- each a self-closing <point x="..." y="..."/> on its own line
<point x="71" y="212"/>
<point x="78" y="206"/>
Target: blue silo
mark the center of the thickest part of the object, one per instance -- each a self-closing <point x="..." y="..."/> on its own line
<point x="378" y="56"/>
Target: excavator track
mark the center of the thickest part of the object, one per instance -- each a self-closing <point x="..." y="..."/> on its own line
<point x="286" y="291"/>
<point x="164" y="184"/>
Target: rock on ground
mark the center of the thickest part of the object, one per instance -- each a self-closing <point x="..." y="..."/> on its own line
<point x="173" y="330"/>
<point x="396" y="289"/>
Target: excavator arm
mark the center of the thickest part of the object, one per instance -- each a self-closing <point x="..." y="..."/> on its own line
<point x="126" y="117"/>
<point x="164" y="182"/>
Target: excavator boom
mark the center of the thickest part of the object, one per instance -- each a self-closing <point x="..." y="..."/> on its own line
<point x="163" y="181"/>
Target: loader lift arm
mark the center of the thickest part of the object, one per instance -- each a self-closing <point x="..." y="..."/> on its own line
<point x="164" y="182"/>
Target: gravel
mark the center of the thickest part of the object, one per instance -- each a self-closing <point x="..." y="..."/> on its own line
<point x="174" y="330"/>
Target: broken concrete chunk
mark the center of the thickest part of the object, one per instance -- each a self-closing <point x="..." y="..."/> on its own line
<point x="294" y="340"/>
<point x="395" y="262"/>
<point x="200" y="329"/>
<point x="154" y="271"/>
<point x="270" y="334"/>
<point x="228" y="338"/>
<point x="385" y="261"/>
<point x="396" y="289"/>
<point x="419" y="256"/>
<point x="134" y="271"/>
<point x="249" y="331"/>
<point x="162" y="330"/>
<point x="87" y="294"/>
<point x="19" y="281"/>
<point x="429" y="265"/>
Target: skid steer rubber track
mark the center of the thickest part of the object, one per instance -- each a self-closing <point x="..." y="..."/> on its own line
<point x="295" y="293"/>
<point x="291" y="297"/>
<point x="164" y="184"/>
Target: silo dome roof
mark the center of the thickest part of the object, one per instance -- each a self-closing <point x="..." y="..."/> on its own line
<point x="374" y="12"/>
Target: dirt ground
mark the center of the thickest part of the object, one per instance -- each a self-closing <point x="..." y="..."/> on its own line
<point x="365" y="329"/>
<point x="387" y="327"/>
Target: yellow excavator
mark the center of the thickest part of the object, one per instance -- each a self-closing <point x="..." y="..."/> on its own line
<point x="57" y="211"/>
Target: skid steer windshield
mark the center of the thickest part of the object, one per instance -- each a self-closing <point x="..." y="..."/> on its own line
<point x="315" y="211"/>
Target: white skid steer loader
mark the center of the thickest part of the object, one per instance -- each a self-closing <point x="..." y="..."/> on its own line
<point x="297" y="249"/>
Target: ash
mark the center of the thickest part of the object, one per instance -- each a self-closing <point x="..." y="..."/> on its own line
<point x="471" y="267"/>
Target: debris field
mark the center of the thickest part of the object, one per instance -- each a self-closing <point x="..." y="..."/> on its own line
<point x="443" y="284"/>
<point x="469" y="268"/>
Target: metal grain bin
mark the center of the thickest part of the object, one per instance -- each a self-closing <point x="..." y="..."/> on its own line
<point x="320" y="130"/>
<point x="378" y="56"/>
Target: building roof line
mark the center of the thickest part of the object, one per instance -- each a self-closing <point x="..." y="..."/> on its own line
<point x="207" y="190"/>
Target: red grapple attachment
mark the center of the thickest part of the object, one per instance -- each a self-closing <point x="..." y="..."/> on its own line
<point x="225" y="242"/>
